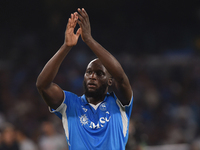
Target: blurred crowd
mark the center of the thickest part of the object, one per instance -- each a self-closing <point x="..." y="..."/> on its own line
<point x="166" y="99"/>
<point x="166" y="108"/>
<point x="162" y="61"/>
<point x="13" y="138"/>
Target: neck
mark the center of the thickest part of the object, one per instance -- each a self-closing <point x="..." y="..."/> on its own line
<point x="95" y="101"/>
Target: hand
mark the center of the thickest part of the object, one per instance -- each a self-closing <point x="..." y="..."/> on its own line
<point x="71" y="39"/>
<point x="84" y="24"/>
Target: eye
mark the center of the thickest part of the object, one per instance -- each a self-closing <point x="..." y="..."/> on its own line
<point x="100" y="73"/>
<point x="89" y="72"/>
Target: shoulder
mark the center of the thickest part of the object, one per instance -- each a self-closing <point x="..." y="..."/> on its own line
<point x="115" y="99"/>
<point x="71" y="99"/>
<point x="111" y="98"/>
<point x="69" y="94"/>
<point x="112" y="95"/>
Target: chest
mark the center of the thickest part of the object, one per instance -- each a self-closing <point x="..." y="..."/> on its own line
<point x="98" y="118"/>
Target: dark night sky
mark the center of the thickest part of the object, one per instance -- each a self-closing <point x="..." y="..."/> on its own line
<point x="139" y="26"/>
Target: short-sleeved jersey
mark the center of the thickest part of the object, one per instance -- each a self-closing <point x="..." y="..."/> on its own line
<point x="105" y="128"/>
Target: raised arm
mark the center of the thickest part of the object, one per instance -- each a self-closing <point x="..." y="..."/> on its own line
<point x="122" y="85"/>
<point x="51" y="92"/>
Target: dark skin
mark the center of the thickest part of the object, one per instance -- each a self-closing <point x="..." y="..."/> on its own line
<point x="106" y="65"/>
<point x="95" y="76"/>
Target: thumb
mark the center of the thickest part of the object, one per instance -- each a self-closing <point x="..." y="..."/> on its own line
<point x="78" y="32"/>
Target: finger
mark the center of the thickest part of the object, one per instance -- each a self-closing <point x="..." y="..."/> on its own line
<point x="80" y="17"/>
<point x="72" y="21"/>
<point x="84" y="11"/>
<point x="86" y="15"/>
<point x="72" y="16"/>
<point x="75" y="16"/>
<point x="81" y="14"/>
<point x="79" y="23"/>
<point x="69" y="22"/>
<point x="79" y="10"/>
<point x="78" y="32"/>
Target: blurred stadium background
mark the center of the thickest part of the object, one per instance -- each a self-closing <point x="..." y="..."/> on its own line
<point x="157" y="43"/>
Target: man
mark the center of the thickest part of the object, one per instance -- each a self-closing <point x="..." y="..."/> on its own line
<point x="8" y="138"/>
<point x="50" y="139"/>
<point x="96" y="120"/>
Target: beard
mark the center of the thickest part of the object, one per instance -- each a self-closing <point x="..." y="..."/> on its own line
<point x="98" y="93"/>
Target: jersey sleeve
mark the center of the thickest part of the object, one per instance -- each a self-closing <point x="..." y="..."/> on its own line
<point x="128" y="108"/>
<point x="125" y="111"/>
<point x="67" y="103"/>
<point x="125" y="108"/>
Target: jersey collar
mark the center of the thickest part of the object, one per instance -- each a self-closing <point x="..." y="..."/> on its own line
<point x="85" y="102"/>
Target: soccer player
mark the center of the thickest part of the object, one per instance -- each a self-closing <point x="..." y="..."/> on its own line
<point x="96" y="120"/>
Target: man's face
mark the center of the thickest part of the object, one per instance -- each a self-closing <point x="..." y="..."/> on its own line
<point x="96" y="80"/>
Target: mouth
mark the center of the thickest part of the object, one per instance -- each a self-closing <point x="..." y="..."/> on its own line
<point x="91" y="85"/>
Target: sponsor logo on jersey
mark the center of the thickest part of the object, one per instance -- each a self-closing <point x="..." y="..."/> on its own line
<point x="83" y="119"/>
<point x="101" y="122"/>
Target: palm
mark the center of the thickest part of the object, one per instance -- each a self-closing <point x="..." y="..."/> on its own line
<point x="71" y="38"/>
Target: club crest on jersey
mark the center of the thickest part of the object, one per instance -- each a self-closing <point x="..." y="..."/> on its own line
<point x="103" y="106"/>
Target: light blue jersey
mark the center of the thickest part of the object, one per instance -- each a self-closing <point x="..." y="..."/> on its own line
<point x="86" y="128"/>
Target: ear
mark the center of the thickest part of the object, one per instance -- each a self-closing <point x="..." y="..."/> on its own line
<point x="110" y="81"/>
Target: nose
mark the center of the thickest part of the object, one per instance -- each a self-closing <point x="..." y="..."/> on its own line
<point x="93" y="75"/>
